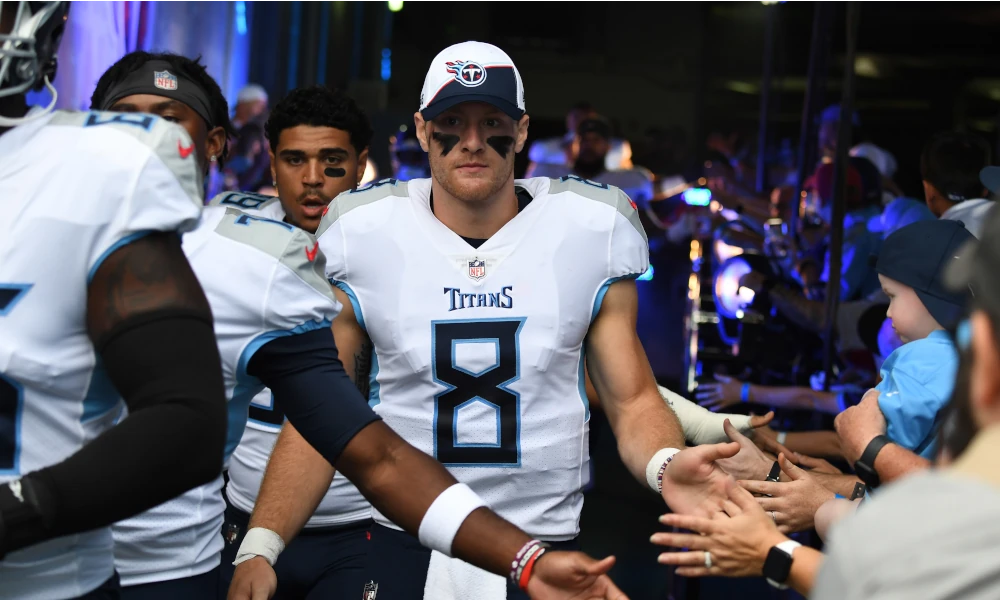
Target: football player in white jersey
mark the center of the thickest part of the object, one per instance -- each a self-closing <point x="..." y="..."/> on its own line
<point x="319" y="143"/>
<point x="96" y="299"/>
<point x="542" y="271"/>
<point x="266" y="285"/>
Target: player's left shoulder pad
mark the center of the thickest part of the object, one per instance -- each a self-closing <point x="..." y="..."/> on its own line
<point x="604" y="193"/>
<point x="363" y="196"/>
<point x="168" y="141"/>
<point x="245" y="201"/>
<point x="294" y="248"/>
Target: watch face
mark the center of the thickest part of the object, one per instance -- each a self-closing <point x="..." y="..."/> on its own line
<point x="777" y="565"/>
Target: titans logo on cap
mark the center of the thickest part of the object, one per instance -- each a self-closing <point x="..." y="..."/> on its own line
<point x="467" y="73"/>
<point x="165" y="80"/>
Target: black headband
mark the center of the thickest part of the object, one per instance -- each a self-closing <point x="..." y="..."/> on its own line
<point x="158" y="78"/>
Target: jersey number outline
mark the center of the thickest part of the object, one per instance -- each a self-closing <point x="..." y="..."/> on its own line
<point x="270" y="416"/>
<point x="488" y="387"/>
<point x="11" y="392"/>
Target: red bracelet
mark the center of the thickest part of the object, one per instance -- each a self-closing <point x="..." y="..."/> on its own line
<point x="526" y="571"/>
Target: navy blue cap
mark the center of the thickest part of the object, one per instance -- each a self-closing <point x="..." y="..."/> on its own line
<point x="916" y="256"/>
<point x="990" y="177"/>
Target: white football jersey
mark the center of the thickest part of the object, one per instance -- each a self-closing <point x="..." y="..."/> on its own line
<point x="479" y="357"/>
<point x="74" y="187"/>
<point x="263" y="279"/>
<point x="343" y="503"/>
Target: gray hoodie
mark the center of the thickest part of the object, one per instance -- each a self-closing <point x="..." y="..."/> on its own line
<point x="971" y="212"/>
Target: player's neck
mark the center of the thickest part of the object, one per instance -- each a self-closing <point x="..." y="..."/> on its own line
<point x="478" y="220"/>
<point x="12" y="107"/>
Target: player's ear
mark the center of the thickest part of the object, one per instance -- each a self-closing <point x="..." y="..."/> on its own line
<point x="421" y="129"/>
<point x="274" y="172"/>
<point x="215" y="141"/>
<point x="362" y="165"/>
<point x="522" y="134"/>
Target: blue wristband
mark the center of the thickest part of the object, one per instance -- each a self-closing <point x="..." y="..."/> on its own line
<point x="745" y="393"/>
<point x="839" y="496"/>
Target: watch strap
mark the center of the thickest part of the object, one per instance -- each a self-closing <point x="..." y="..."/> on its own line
<point x="866" y="463"/>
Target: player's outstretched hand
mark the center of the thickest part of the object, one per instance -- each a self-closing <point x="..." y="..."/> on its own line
<point x="573" y="576"/>
<point x="253" y="580"/>
<point x="693" y="484"/>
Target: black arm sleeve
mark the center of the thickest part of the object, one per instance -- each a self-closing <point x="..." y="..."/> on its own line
<point x="311" y="387"/>
<point x="166" y="366"/>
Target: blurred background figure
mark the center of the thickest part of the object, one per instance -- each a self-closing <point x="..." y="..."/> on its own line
<point x="592" y="144"/>
<point x="249" y="167"/>
<point x="561" y="150"/>
<point x="409" y="161"/>
<point x="251" y="105"/>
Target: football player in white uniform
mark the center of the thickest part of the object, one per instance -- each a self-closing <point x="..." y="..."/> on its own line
<point x="319" y="143"/>
<point x="542" y="271"/>
<point x="273" y="305"/>
<point x="96" y="299"/>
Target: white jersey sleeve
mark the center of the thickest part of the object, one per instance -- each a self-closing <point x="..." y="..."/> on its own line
<point x="264" y="280"/>
<point x="73" y="186"/>
<point x="167" y="181"/>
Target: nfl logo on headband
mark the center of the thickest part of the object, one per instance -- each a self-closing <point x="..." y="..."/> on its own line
<point x="164" y="80"/>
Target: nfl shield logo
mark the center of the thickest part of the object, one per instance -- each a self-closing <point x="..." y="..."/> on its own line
<point x="371" y="590"/>
<point x="164" y="80"/>
<point x="477" y="269"/>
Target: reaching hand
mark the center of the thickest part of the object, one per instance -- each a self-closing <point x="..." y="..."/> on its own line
<point x="693" y="484"/>
<point x="738" y="540"/>
<point x="253" y="579"/>
<point x="815" y="465"/>
<point x="758" y="422"/>
<point x="859" y="425"/>
<point x="767" y="440"/>
<point x="792" y="505"/>
<point x="750" y="462"/>
<point x="716" y="396"/>
<point x="572" y="576"/>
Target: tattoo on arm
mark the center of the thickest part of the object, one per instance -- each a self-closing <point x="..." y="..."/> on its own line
<point x="147" y="275"/>
<point x="362" y="368"/>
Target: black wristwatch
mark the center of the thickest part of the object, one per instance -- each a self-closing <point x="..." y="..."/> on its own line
<point x="865" y="466"/>
<point x="775" y="474"/>
<point x="859" y="491"/>
<point x="778" y="564"/>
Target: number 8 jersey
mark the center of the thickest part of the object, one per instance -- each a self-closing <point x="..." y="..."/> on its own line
<point x="478" y="353"/>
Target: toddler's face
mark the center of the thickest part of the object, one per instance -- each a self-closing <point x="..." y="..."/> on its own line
<point x="909" y="316"/>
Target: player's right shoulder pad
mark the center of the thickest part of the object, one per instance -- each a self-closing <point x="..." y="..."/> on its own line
<point x="168" y="141"/>
<point x="247" y="201"/>
<point x="350" y="200"/>
<point x="604" y="193"/>
<point x="291" y="246"/>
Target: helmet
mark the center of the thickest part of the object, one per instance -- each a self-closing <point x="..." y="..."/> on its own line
<point x="28" y="49"/>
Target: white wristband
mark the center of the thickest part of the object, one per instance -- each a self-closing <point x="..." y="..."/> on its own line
<point x="445" y="515"/>
<point x="780" y="438"/>
<point x="260" y="542"/>
<point x="653" y="471"/>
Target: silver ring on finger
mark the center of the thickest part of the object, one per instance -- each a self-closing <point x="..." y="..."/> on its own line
<point x="773" y="517"/>
<point x="708" y="559"/>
